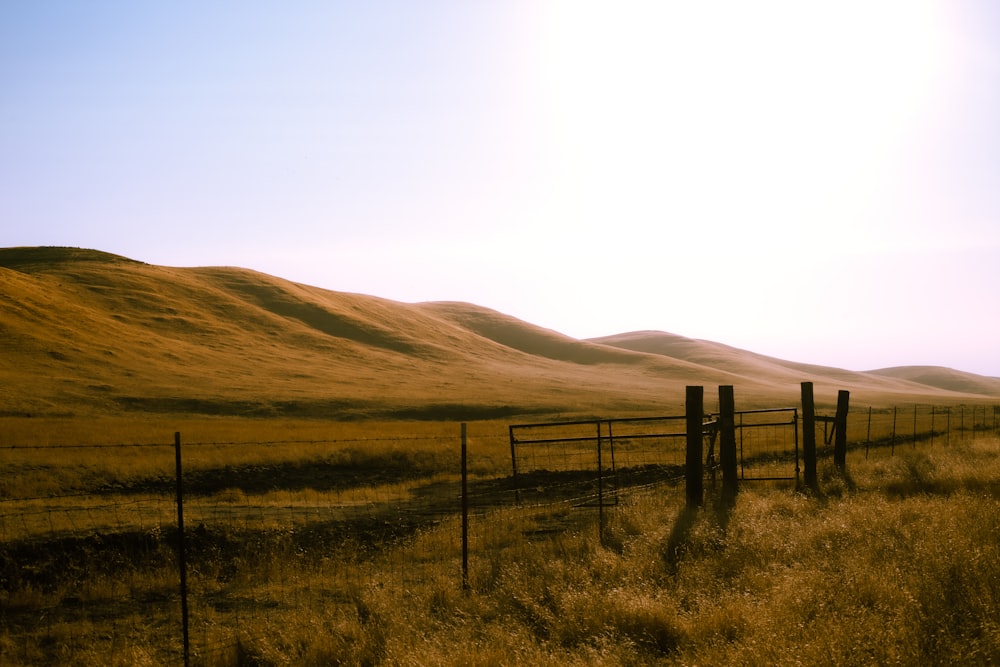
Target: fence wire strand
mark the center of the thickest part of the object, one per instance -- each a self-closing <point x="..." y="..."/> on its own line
<point x="88" y="554"/>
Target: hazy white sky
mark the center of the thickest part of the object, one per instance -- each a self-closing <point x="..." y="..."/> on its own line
<point x="818" y="181"/>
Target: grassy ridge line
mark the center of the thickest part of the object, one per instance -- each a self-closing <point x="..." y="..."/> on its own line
<point x="89" y="333"/>
<point x="99" y="336"/>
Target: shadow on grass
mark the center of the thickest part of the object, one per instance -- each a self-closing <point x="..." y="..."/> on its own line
<point x="834" y="482"/>
<point x="359" y="470"/>
<point x="719" y="511"/>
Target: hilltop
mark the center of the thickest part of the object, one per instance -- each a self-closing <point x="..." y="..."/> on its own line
<point x="752" y="365"/>
<point x="87" y="332"/>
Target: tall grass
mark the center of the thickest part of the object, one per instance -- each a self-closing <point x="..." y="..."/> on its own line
<point x="897" y="562"/>
<point x="903" y="569"/>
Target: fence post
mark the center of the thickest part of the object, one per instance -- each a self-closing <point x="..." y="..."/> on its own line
<point x="695" y="413"/>
<point x="892" y="445"/>
<point x="600" y="486"/>
<point x="809" y="434"/>
<point x="181" y="550"/>
<point x="932" y="426"/>
<point x="795" y="428"/>
<point x="840" y="440"/>
<point x="513" y="465"/>
<point x="465" y="511"/>
<point x="727" y="441"/>
<point x="914" y="424"/>
<point x="868" y="438"/>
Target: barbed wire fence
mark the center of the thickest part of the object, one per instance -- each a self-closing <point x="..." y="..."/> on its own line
<point x="295" y="532"/>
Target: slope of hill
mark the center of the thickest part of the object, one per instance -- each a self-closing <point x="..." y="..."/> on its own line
<point x="750" y="364"/>
<point x="944" y="378"/>
<point x="87" y="332"/>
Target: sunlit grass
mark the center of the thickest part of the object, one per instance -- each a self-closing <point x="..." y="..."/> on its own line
<point x="867" y="576"/>
<point x="895" y="562"/>
<point x="54" y="457"/>
<point x="864" y="576"/>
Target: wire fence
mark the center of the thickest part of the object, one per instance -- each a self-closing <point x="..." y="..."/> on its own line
<point x="274" y="533"/>
<point x="910" y="425"/>
<point x="296" y="531"/>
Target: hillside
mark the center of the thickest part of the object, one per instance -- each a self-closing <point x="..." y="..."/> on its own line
<point x="944" y="378"/>
<point x="752" y="365"/>
<point x="86" y="332"/>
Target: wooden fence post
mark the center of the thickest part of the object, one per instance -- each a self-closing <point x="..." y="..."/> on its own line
<point x="727" y="441"/>
<point x="694" y="472"/>
<point x="809" y="434"/>
<point x="840" y="442"/>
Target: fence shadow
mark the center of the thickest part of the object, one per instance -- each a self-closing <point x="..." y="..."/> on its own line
<point x="719" y="511"/>
<point x="679" y="537"/>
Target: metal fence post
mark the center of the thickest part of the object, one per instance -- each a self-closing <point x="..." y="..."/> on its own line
<point x="892" y="445"/>
<point x="465" y="511"/>
<point x="868" y="438"/>
<point x="513" y="466"/>
<point x="600" y="486"/>
<point x="181" y="550"/>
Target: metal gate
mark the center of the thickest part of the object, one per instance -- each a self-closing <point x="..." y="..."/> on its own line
<point x="591" y="460"/>
<point x="594" y="459"/>
<point x="767" y="444"/>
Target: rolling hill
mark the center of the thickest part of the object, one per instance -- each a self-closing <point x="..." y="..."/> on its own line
<point x="752" y="365"/>
<point x="87" y="332"/>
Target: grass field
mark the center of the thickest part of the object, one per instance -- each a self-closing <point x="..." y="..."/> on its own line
<point x="320" y="440"/>
<point x="895" y="563"/>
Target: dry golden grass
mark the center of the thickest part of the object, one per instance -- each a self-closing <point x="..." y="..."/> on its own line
<point x="57" y="456"/>
<point x="310" y="417"/>
<point x="895" y="563"/>
<point x="897" y="570"/>
<point x="91" y="334"/>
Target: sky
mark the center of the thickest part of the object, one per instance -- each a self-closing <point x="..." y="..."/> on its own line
<point x="816" y="181"/>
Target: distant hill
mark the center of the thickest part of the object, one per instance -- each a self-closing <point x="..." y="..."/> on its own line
<point x="750" y="364"/>
<point x="87" y="332"/>
<point x="944" y="378"/>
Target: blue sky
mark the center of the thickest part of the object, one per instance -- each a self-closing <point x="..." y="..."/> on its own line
<point x="814" y="181"/>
